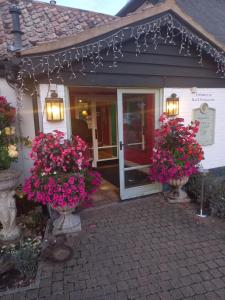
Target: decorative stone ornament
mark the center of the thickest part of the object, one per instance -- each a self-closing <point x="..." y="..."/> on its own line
<point x="177" y="195"/>
<point x="67" y="222"/>
<point x="8" y="211"/>
<point x="204" y="108"/>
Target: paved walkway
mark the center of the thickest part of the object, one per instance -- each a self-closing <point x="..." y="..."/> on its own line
<point x="141" y="249"/>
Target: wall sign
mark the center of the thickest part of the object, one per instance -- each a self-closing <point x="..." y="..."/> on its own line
<point x="206" y="116"/>
<point x="200" y="97"/>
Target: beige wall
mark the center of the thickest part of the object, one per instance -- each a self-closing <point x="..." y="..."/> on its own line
<point x="27" y="124"/>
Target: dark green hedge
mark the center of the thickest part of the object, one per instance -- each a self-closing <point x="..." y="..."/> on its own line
<point x="214" y="192"/>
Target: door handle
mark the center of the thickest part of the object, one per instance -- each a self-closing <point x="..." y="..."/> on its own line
<point x="121" y="145"/>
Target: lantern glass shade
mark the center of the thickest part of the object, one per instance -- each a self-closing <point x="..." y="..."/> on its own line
<point x="54" y="109"/>
<point x="172" y="106"/>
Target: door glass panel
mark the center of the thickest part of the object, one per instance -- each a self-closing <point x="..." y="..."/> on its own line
<point x="96" y="123"/>
<point x="106" y="129"/>
<point x="81" y="121"/>
<point x="138" y="139"/>
<point x="136" y="177"/>
<point x="107" y="152"/>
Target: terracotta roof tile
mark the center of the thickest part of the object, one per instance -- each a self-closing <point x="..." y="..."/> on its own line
<point x="41" y="22"/>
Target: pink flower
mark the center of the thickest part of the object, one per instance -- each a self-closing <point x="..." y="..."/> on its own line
<point x="61" y="173"/>
<point x="176" y="152"/>
<point x="71" y="180"/>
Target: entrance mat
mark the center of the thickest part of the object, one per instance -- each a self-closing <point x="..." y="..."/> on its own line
<point x="111" y="174"/>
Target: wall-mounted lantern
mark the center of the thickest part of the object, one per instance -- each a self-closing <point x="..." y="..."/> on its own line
<point x="54" y="108"/>
<point x="172" y="106"/>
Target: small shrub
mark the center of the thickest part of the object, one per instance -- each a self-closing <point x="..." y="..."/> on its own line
<point x="25" y="256"/>
<point x="218" y="207"/>
<point x="214" y="192"/>
<point x="26" y="262"/>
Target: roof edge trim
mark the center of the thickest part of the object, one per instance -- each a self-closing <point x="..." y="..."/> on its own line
<point x="86" y="35"/>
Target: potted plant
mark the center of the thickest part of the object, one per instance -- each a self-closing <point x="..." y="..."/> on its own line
<point x="8" y="178"/>
<point x="176" y="155"/>
<point x="61" y="177"/>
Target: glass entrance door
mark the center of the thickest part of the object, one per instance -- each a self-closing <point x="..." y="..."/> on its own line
<point x="138" y="114"/>
<point x="94" y="119"/>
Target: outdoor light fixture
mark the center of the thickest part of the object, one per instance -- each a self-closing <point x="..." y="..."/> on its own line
<point x="172" y="106"/>
<point x="84" y="113"/>
<point x="54" y="108"/>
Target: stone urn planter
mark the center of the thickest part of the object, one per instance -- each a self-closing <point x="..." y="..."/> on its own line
<point x="177" y="195"/>
<point x="8" y="211"/>
<point x="67" y="222"/>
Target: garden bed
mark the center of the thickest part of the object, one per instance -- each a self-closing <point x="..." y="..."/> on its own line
<point x="19" y="259"/>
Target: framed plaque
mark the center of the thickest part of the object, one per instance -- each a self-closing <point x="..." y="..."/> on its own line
<point x="206" y="116"/>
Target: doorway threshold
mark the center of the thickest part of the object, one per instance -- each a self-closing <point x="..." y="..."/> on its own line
<point x="106" y="194"/>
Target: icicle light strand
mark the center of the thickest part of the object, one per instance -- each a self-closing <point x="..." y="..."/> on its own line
<point x="143" y="35"/>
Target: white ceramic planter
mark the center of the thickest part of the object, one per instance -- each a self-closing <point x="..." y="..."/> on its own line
<point x="177" y="195"/>
<point x="67" y="222"/>
<point x="8" y="211"/>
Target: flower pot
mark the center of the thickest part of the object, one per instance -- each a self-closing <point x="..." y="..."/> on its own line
<point x="67" y="222"/>
<point x="177" y="195"/>
<point x="8" y="211"/>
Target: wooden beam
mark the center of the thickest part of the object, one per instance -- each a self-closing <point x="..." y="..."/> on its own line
<point x="35" y="114"/>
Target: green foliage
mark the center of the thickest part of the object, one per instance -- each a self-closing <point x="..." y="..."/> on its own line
<point x="25" y="256"/>
<point x="5" y="160"/>
<point x="214" y="192"/>
<point x="26" y="261"/>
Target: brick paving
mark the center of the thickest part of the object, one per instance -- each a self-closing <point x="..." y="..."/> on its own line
<point x="140" y="249"/>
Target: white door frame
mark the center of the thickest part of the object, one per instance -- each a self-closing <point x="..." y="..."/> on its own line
<point x="94" y="138"/>
<point x="126" y="193"/>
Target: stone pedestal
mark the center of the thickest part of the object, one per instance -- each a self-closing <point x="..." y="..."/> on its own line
<point x="8" y="211"/>
<point x="177" y="195"/>
<point x="67" y="222"/>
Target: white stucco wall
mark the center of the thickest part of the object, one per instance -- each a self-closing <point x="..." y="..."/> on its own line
<point x="27" y="124"/>
<point x="46" y="126"/>
<point x="215" y="98"/>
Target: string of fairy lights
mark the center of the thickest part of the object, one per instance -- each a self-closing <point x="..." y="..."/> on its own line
<point x="165" y="29"/>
